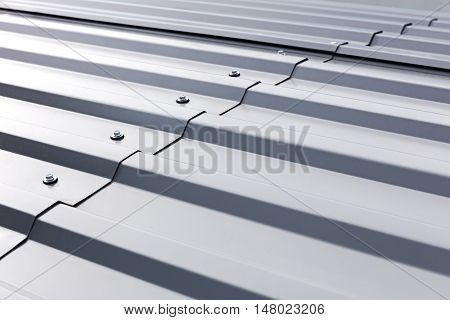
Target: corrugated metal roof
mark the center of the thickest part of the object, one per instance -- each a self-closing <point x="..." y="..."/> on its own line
<point x="303" y="177"/>
<point x="409" y="36"/>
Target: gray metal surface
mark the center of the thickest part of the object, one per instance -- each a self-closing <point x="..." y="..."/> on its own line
<point x="410" y="36"/>
<point x="18" y="210"/>
<point x="304" y="177"/>
<point x="202" y="238"/>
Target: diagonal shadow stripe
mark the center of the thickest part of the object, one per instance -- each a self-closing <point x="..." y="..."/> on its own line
<point x="61" y="156"/>
<point x="139" y="266"/>
<point x="96" y="109"/>
<point x="341" y="114"/>
<point x="310" y="155"/>
<point x="179" y="82"/>
<point x="407" y="251"/>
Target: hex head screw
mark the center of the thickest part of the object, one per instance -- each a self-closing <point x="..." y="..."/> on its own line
<point x="234" y="74"/>
<point x="183" y="100"/>
<point x="50" y="179"/>
<point x="117" y="135"/>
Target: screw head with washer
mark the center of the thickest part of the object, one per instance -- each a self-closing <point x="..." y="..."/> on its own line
<point x="50" y="178"/>
<point x="117" y="135"/>
<point x="183" y="100"/>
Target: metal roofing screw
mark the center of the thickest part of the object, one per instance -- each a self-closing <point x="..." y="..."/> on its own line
<point x="50" y="179"/>
<point x="234" y="74"/>
<point x="282" y="52"/>
<point x="183" y="99"/>
<point x="117" y="135"/>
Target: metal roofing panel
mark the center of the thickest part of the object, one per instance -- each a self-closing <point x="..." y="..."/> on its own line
<point x="355" y="191"/>
<point x="352" y="181"/>
<point x="27" y="173"/>
<point x="301" y="25"/>
<point x="394" y="81"/>
<point x="73" y="227"/>
<point x="403" y="116"/>
<point x="187" y="230"/>
<point x="87" y="129"/>
<point x="339" y="151"/>
<point x="153" y="49"/>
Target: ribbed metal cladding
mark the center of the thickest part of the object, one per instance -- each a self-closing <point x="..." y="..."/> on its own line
<point x="299" y="175"/>
<point x="407" y="36"/>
